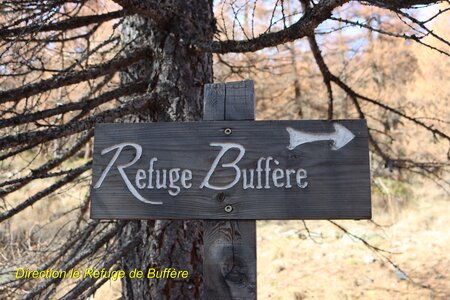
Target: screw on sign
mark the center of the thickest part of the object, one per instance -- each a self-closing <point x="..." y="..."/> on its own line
<point x="231" y="172"/>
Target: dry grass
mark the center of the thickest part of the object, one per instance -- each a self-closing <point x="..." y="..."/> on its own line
<point x="329" y="264"/>
<point x="294" y="264"/>
<point x="336" y="266"/>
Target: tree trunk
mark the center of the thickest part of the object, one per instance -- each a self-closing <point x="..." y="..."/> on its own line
<point x="177" y="74"/>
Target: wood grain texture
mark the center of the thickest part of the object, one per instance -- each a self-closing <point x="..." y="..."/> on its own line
<point x="240" y="101"/>
<point x="338" y="180"/>
<point x="229" y="258"/>
<point x="214" y="102"/>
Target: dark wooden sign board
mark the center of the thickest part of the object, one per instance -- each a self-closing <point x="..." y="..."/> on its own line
<point x="232" y="170"/>
<point x="338" y="183"/>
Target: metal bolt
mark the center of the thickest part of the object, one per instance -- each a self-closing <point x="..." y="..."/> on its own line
<point x="227" y="131"/>
<point x="228" y="208"/>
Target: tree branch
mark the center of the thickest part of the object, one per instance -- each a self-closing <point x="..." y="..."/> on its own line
<point x="303" y="27"/>
<point x="88" y="282"/>
<point x="73" y="77"/>
<point x="72" y="23"/>
<point x="84" y="105"/>
<point x="154" y="10"/>
<point x="36" y="197"/>
<point x="398" y="4"/>
<point x="43" y="169"/>
<point x="138" y="104"/>
<point x="88" y="251"/>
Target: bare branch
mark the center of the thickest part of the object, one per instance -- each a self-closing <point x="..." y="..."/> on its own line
<point x="33" y="199"/>
<point x="71" y="23"/>
<point x="398" y="4"/>
<point x="138" y="104"/>
<point x="303" y="27"/>
<point x="157" y="11"/>
<point x="73" y="77"/>
<point x="89" y="250"/>
<point x="84" y="105"/>
<point x="43" y="169"/>
<point x="110" y="261"/>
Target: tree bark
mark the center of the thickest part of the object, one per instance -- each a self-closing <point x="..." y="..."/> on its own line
<point x="177" y="74"/>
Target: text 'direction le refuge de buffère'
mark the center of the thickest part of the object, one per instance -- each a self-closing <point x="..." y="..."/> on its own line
<point x="232" y="170"/>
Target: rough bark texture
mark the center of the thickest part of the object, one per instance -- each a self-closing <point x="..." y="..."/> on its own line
<point x="176" y="74"/>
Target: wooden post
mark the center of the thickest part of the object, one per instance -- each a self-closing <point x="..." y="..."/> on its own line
<point x="229" y="263"/>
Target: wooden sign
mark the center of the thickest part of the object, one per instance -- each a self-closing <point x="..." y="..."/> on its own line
<point x="232" y="170"/>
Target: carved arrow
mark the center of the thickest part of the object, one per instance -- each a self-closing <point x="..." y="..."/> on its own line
<point x="340" y="137"/>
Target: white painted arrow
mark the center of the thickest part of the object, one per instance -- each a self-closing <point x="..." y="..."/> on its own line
<point x="340" y="137"/>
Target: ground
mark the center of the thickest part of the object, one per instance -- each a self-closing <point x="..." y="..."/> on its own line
<point x="329" y="264"/>
<point x="410" y="221"/>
